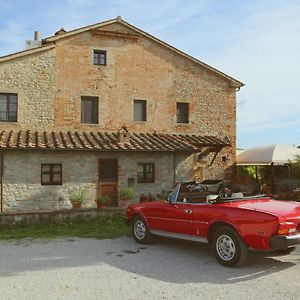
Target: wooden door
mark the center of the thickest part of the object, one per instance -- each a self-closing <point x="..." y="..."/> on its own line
<point x="108" y="180"/>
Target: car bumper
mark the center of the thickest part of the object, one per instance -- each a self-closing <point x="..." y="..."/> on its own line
<point x="284" y="241"/>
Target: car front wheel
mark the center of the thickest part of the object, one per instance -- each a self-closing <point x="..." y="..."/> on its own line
<point x="229" y="249"/>
<point x="140" y="230"/>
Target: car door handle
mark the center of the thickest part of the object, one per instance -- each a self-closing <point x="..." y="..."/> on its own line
<point x="188" y="211"/>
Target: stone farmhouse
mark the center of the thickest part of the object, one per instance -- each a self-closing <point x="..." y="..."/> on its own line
<point x="106" y="106"/>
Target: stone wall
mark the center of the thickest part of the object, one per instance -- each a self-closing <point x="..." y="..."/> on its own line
<point x="33" y="78"/>
<point x="57" y="216"/>
<point x="22" y="189"/>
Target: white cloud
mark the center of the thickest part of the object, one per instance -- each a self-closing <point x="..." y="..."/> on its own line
<point x="265" y="54"/>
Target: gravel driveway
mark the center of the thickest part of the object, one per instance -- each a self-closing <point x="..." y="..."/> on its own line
<point x="121" y="269"/>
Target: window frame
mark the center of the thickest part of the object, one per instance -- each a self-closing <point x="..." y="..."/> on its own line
<point x="8" y="104"/>
<point x="180" y="118"/>
<point x="144" y="112"/>
<point x="93" y="99"/>
<point x="144" y="173"/>
<point x="51" y="173"/>
<point x="98" y="61"/>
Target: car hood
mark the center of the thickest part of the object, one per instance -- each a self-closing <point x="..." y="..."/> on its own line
<point x="285" y="209"/>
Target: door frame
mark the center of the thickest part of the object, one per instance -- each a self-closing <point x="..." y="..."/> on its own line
<point x="108" y="183"/>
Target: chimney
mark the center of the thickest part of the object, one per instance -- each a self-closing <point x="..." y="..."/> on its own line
<point x="36" y="42"/>
<point x="37" y="36"/>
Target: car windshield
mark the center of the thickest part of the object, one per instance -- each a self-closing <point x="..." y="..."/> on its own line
<point x="173" y="196"/>
<point x="194" y="192"/>
<point x="211" y="191"/>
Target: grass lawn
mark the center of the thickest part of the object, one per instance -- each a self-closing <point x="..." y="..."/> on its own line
<point x="100" y="228"/>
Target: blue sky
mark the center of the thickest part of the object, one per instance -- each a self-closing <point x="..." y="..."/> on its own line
<point x="257" y="42"/>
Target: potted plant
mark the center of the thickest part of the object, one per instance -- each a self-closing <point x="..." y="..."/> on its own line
<point x="76" y="198"/>
<point x="102" y="200"/>
<point x="125" y="196"/>
<point x="146" y="198"/>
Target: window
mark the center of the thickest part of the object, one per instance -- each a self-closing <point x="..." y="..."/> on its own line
<point x="100" y="57"/>
<point x="145" y="173"/>
<point x="182" y="112"/>
<point x="140" y="110"/>
<point x="89" y="110"/>
<point x="8" y="107"/>
<point x="51" y="174"/>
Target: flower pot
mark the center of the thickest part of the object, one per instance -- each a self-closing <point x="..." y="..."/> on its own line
<point x="100" y="205"/>
<point x="76" y="204"/>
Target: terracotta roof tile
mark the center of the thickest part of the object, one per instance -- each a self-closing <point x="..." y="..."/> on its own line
<point x="104" y="141"/>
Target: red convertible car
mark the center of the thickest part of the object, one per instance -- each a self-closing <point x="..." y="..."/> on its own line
<point x="231" y="224"/>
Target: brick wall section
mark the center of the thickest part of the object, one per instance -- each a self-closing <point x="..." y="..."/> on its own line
<point x="140" y="69"/>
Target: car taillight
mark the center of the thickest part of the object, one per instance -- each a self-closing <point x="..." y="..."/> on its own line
<point x="286" y="228"/>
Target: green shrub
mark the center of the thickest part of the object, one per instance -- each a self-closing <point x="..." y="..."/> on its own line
<point x="125" y="193"/>
<point x="103" y="199"/>
<point x="77" y="196"/>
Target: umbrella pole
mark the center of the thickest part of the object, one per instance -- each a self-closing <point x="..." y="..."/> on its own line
<point x="256" y="177"/>
<point x="273" y="179"/>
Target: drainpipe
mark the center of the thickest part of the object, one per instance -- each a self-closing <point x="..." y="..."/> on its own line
<point x="1" y="179"/>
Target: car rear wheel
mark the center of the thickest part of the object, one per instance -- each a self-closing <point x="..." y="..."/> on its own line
<point x="285" y="251"/>
<point x="140" y="230"/>
<point x="229" y="248"/>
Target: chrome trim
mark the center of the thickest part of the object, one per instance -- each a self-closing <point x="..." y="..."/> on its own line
<point x="170" y="219"/>
<point x="182" y="220"/>
<point x="200" y="222"/>
<point x="179" y="236"/>
<point x="293" y="237"/>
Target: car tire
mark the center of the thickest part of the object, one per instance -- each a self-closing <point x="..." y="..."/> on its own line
<point x="140" y="230"/>
<point x="229" y="248"/>
<point x="285" y="251"/>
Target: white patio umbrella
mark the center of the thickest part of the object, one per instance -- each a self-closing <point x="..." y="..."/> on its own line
<point x="278" y="154"/>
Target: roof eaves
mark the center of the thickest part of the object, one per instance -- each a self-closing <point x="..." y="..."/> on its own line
<point x="26" y="52"/>
<point x="79" y="30"/>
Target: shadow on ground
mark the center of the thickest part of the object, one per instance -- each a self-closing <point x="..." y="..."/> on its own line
<point x="165" y="259"/>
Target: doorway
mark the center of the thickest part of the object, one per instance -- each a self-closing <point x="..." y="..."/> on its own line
<point x="108" y="180"/>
